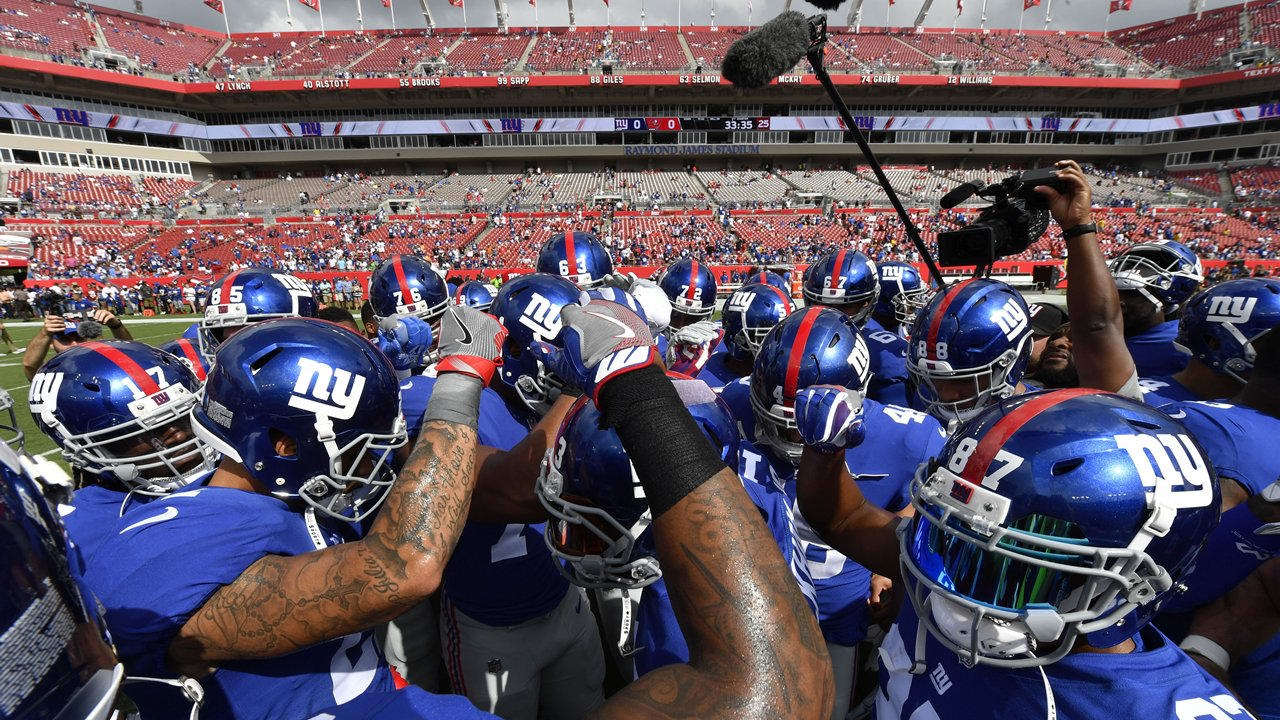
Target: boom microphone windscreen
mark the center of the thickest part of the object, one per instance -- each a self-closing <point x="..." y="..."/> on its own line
<point x="825" y="4"/>
<point x="767" y="52"/>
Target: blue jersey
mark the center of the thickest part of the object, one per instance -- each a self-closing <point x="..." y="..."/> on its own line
<point x="172" y="554"/>
<point x="716" y="373"/>
<point x="1156" y="681"/>
<point x="1153" y="351"/>
<point x="659" y="640"/>
<point x="498" y="574"/>
<point x="411" y="703"/>
<point x="898" y="440"/>
<point x="1160" y="391"/>
<point x="93" y="516"/>
<point x="1239" y="440"/>
<point x="1254" y="679"/>
<point x="888" y="364"/>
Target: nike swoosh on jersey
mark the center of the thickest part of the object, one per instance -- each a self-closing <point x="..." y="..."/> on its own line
<point x="169" y="513"/>
<point x="627" y="333"/>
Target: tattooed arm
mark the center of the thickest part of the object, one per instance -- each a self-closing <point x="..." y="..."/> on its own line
<point x="754" y="645"/>
<point x="280" y="604"/>
<point x="505" y="480"/>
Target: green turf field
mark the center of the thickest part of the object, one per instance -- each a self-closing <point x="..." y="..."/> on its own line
<point x="12" y="379"/>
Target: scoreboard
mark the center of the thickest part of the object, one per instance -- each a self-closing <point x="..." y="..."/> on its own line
<point x="675" y="124"/>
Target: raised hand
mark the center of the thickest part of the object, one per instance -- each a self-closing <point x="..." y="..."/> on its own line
<point x="829" y="418"/>
<point x="470" y="343"/>
<point x="602" y="340"/>
<point x="406" y="341"/>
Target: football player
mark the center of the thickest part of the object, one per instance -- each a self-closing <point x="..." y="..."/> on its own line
<point x="264" y="582"/>
<point x="692" y="335"/>
<point x="1154" y="280"/>
<point x="1047" y="533"/>
<point x="246" y="297"/>
<point x="757" y="644"/>
<point x="761" y="276"/>
<point x="902" y="293"/>
<point x="1217" y="330"/>
<point x="815" y="346"/>
<point x="119" y="411"/>
<point x="408" y="285"/>
<point x="474" y="293"/>
<point x="599" y="531"/>
<point x="58" y="658"/>
<point x="579" y="257"/>
<point x="750" y="313"/>
<point x="517" y="638"/>
<point x="187" y="351"/>
<point x="848" y="281"/>
<point x="1046" y="319"/>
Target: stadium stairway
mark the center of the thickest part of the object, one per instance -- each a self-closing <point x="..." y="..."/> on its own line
<point x="688" y="53"/>
<point x="367" y="53"/>
<point x="524" y="56"/>
<point x="99" y="36"/>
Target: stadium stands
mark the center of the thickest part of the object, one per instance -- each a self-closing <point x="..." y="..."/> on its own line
<point x="567" y="51"/>
<point x="648" y="51"/>
<point x="743" y="186"/>
<point x="486" y="53"/>
<point x="708" y="48"/>
<point x="400" y="55"/>
<point x="1186" y="42"/>
<point x="162" y="49"/>
<point x="1257" y="183"/>
<point x="44" y="27"/>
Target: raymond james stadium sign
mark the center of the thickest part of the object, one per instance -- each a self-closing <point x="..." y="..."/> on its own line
<point x="642" y="150"/>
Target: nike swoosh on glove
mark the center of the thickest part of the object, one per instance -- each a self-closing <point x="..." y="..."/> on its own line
<point x="470" y="343"/>
<point x="829" y="418"/>
<point x="602" y="340"/>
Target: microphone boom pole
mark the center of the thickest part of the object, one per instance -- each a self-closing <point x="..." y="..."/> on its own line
<point x="817" y="45"/>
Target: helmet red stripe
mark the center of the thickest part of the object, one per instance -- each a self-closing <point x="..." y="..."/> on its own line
<point x="194" y="357"/>
<point x="834" y="282"/>
<point x="570" y="254"/>
<point x="781" y="295"/>
<point x="406" y="296"/>
<point x="796" y="356"/>
<point x="692" y="292"/>
<point x="975" y="467"/>
<point x="145" y="382"/>
<point x="936" y="323"/>
<point x="227" y="285"/>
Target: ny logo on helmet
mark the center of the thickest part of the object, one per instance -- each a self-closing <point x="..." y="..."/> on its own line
<point x="892" y="272"/>
<point x="1234" y="310"/>
<point x="1011" y="318"/>
<point x="43" y="395"/>
<point x="739" y="301"/>
<point x="323" y="390"/>
<point x="541" y="317"/>
<point x="1171" y="468"/>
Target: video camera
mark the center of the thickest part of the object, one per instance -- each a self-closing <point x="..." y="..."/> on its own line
<point x="1016" y="217"/>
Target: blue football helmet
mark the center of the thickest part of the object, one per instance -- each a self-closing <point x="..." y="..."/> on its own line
<point x="1219" y="325"/>
<point x="474" y="293"/>
<point x="1165" y="272"/>
<point x="843" y="279"/>
<point x="1051" y="518"/>
<point x="902" y="292"/>
<point x="969" y="348"/>
<point x="691" y="288"/>
<point x="188" y="352"/>
<point x="248" y="296"/>
<point x="815" y="346"/>
<point x="599" y="514"/>
<point x="749" y="315"/>
<point x="590" y="264"/>
<point x="408" y="285"/>
<point x="529" y="308"/>
<point x="120" y="409"/>
<point x="324" y="387"/>
<point x="64" y="664"/>
<point x="765" y="277"/>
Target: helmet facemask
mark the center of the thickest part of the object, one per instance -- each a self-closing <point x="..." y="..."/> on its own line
<point x="776" y="427"/>
<point x="907" y="304"/>
<point x="359" y="474"/>
<point x="1014" y="593"/>
<point x="159" y="471"/>
<point x="593" y="548"/>
<point x="991" y="383"/>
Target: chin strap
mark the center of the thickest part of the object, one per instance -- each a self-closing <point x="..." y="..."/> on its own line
<point x="191" y="689"/>
<point x="1050" y="704"/>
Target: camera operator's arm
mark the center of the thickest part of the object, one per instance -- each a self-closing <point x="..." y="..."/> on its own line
<point x="1097" y="327"/>
<point x="1237" y="623"/>
<point x="755" y="647"/>
<point x="112" y="323"/>
<point x="38" y="348"/>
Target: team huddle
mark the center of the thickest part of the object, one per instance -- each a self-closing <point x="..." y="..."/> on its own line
<point x="585" y="495"/>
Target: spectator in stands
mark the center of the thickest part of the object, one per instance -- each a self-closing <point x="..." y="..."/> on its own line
<point x="62" y="333"/>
